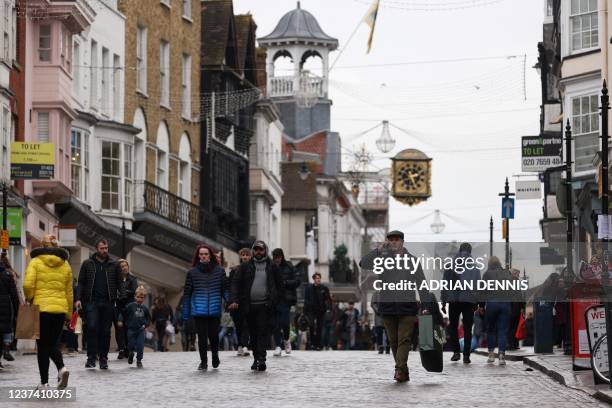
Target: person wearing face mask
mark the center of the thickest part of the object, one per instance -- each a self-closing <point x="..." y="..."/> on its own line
<point x="206" y="286"/>
<point x="256" y="290"/>
<point x="399" y="309"/>
<point x="126" y="291"/>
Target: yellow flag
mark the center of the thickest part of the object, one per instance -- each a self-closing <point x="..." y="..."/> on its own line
<point x="370" y="19"/>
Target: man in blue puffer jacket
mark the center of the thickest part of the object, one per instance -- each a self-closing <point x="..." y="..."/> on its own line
<point x="206" y="286"/>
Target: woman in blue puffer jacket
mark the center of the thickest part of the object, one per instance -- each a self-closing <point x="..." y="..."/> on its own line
<point x="206" y="286"/>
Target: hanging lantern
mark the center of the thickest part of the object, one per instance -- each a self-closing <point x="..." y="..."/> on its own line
<point x="437" y="226"/>
<point x="385" y="142"/>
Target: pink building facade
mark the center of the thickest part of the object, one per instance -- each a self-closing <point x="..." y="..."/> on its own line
<point x="48" y="101"/>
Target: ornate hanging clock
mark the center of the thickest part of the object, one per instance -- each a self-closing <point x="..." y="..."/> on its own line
<point x="411" y="177"/>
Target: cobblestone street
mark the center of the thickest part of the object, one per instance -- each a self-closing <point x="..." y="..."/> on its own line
<point x="304" y="379"/>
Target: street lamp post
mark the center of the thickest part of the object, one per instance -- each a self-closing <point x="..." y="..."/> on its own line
<point x="507" y="194"/>
<point x="491" y="236"/>
<point x="569" y="214"/>
<point x="605" y="107"/>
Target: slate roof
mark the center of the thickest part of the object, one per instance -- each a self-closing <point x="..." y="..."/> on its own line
<point x="217" y="21"/>
<point x="298" y="25"/>
<point x="244" y="25"/>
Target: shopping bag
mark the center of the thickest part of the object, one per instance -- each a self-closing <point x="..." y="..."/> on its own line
<point x="520" y="329"/>
<point x="28" y="322"/>
<point x="78" y="328"/>
<point x="73" y="320"/>
<point x="169" y="329"/>
<point x="431" y="342"/>
<point x="426" y="338"/>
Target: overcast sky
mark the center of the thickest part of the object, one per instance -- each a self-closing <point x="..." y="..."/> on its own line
<point x="463" y="89"/>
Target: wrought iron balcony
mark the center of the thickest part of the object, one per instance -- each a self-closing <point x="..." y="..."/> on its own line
<point x="156" y="200"/>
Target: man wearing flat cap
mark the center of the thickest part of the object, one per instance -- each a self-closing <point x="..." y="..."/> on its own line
<point x="398" y="308"/>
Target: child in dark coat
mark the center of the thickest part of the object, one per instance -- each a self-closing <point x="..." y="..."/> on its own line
<point x="136" y="318"/>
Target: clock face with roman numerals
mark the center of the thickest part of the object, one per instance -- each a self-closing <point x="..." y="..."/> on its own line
<point x="413" y="177"/>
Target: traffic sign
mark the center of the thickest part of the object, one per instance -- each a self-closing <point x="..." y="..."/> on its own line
<point x="508" y="207"/>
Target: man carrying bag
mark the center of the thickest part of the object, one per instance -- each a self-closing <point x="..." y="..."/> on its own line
<point x="432" y="338"/>
<point x="398" y="308"/>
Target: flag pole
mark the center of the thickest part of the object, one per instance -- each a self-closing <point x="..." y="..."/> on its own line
<point x="372" y="11"/>
<point x="346" y="45"/>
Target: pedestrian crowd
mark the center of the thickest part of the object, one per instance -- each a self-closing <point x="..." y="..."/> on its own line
<point x="251" y="309"/>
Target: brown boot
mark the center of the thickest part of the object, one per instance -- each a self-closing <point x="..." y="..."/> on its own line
<point x="401" y="376"/>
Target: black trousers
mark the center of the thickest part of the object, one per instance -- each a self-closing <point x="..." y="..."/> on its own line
<point x="208" y="331"/>
<point x="515" y="317"/>
<point x="242" y="329"/>
<point x="467" y="311"/>
<point x="121" y="336"/>
<point x="316" y="328"/>
<point x="160" y="328"/>
<point x="51" y="325"/>
<point x="258" y="318"/>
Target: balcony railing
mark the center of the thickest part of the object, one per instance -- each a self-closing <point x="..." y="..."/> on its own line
<point x="285" y="85"/>
<point x="281" y="86"/>
<point x="152" y="198"/>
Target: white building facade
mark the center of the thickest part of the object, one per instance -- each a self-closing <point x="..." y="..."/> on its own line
<point x="265" y="188"/>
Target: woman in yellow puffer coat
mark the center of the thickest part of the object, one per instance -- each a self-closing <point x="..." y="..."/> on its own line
<point x="48" y="284"/>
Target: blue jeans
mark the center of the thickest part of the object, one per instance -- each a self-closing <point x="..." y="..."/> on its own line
<point x="230" y="334"/>
<point x="497" y="318"/>
<point x="281" y="324"/>
<point x="7" y="338"/>
<point x="99" y="321"/>
<point x="136" y="340"/>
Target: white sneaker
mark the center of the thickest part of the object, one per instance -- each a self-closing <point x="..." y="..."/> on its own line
<point x="42" y="387"/>
<point x="277" y="351"/>
<point x="502" y="359"/>
<point x="287" y="347"/>
<point x="62" y="378"/>
<point x="491" y="358"/>
<point x="240" y="352"/>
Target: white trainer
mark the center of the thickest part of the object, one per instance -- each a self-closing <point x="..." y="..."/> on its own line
<point x="277" y="351"/>
<point x="240" y="352"/>
<point x="42" y="387"/>
<point x="502" y="359"/>
<point x="287" y="347"/>
<point x="62" y="378"/>
<point x="491" y="358"/>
